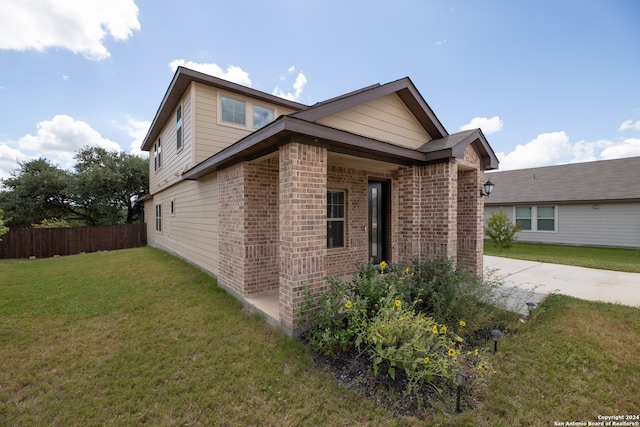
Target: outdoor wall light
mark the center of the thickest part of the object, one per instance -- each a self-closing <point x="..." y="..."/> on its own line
<point x="488" y="188"/>
<point x="460" y="377"/>
<point x="495" y="334"/>
<point x="531" y="306"/>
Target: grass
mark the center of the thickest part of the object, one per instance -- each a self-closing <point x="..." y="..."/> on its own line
<point x="138" y="337"/>
<point x="617" y="259"/>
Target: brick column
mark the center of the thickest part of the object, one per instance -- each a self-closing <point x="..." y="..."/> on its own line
<point x="438" y="210"/>
<point x="303" y="227"/>
<point x="470" y="220"/>
<point x="408" y="214"/>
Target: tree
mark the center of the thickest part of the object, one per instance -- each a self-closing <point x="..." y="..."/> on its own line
<point x="3" y="228"/>
<point x="501" y="230"/>
<point x="35" y="191"/>
<point x="107" y="185"/>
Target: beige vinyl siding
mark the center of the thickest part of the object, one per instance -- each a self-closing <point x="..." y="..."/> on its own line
<point x="191" y="232"/>
<point x="174" y="161"/>
<point x="592" y="224"/>
<point x="211" y="136"/>
<point x="385" y="118"/>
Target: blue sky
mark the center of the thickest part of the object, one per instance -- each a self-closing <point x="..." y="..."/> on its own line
<point x="549" y="82"/>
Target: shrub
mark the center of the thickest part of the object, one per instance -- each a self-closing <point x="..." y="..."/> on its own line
<point x="501" y="230"/>
<point x="411" y="319"/>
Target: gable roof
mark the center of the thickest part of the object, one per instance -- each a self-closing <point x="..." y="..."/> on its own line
<point x="600" y="181"/>
<point x="182" y="78"/>
<point x="442" y="147"/>
<point x="405" y="90"/>
<point x="454" y="145"/>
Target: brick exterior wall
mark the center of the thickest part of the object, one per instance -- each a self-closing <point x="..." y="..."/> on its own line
<point x="232" y="231"/>
<point x="302" y="230"/>
<point x="427" y="221"/>
<point x="273" y="220"/>
<point x="261" y="224"/>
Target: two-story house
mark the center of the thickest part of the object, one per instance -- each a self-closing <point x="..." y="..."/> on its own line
<point x="267" y="194"/>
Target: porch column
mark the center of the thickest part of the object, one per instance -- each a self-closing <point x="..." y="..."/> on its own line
<point x="303" y="227"/>
<point x="470" y="220"/>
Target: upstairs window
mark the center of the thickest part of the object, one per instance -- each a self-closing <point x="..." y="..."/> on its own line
<point x="157" y="155"/>
<point x="233" y="111"/>
<point x="335" y="218"/>
<point x="179" y="128"/>
<point x="546" y="218"/>
<point x="262" y="116"/>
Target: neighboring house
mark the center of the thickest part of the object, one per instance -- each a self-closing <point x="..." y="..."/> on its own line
<point x="268" y="194"/>
<point x="594" y="203"/>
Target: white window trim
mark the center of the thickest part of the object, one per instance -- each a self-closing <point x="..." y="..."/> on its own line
<point x="158" y="218"/>
<point x="534" y="218"/>
<point x="343" y="219"/>
<point x="248" y="112"/>
<point x="181" y="127"/>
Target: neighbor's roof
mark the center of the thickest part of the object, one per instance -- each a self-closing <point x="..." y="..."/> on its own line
<point x="601" y="181"/>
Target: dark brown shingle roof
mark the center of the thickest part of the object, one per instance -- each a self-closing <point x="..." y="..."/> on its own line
<point x="605" y="180"/>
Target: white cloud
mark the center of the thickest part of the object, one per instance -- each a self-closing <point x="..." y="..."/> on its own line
<point x="76" y="25"/>
<point x="60" y="138"/>
<point x="630" y="124"/>
<point x="137" y="129"/>
<point x="546" y="149"/>
<point x="298" y="88"/>
<point x="9" y="159"/>
<point x="628" y="148"/>
<point x="233" y="73"/>
<point x="440" y="43"/>
<point x="554" y="148"/>
<point x="488" y="126"/>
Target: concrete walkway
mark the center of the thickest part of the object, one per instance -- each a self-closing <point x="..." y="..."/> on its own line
<point x="584" y="283"/>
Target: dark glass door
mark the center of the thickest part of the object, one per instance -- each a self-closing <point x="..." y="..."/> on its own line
<point x="377" y="221"/>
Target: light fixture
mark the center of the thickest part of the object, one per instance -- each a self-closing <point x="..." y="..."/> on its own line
<point x="530" y="307"/>
<point x="460" y="377"/>
<point x="488" y="188"/>
<point x="495" y="334"/>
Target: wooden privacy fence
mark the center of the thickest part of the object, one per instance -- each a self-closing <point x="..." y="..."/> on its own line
<point x="48" y="242"/>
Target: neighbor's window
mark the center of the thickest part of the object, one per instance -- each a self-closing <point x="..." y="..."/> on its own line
<point x="157" y="155"/>
<point x="523" y="217"/>
<point x="262" y="116"/>
<point x="536" y="218"/>
<point x="172" y="208"/>
<point x="159" y="217"/>
<point x="546" y="218"/>
<point x="179" y="128"/>
<point x="233" y="111"/>
<point x="335" y="218"/>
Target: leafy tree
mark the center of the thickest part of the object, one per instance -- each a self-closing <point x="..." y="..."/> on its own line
<point x="107" y="185"/>
<point x="501" y="230"/>
<point x="35" y="191"/>
<point x="102" y="190"/>
<point x="3" y="228"/>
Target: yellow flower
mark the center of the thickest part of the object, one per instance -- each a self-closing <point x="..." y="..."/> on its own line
<point x="426" y="360"/>
<point x="406" y="270"/>
<point x="383" y="265"/>
<point x="451" y="352"/>
<point x="443" y="329"/>
<point x="435" y="329"/>
<point x="348" y="305"/>
<point x="475" y="352"/>
<point x="398" y="303"/>
<point x="463" y="323"/>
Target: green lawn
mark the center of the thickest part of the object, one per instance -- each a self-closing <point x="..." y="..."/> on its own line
<point x="617" y="259"/>
<point x="138" y="337"/>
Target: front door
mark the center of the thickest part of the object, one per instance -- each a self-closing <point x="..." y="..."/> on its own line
<point x="377" y="221"/>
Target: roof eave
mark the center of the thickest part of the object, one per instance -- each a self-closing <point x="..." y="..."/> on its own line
<point x="181" y="81"/>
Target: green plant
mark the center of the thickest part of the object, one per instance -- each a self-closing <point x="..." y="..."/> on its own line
<point x="3" y="228"/>
<point x="412" y="342"/>
<point x="501" y="230"/>
<point x="52" y="223"/>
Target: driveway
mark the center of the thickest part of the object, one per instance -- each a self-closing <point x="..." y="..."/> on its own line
<point x="585" y="283"/>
